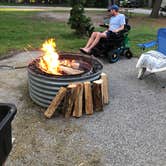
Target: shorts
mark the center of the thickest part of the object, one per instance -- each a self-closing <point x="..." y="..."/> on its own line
<point x="111" y="35"/>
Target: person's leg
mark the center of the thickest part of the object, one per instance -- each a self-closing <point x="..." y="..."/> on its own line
<point x="91" y="39"/>
<point x="89" y="43"/>
<point x="96" y="40"/>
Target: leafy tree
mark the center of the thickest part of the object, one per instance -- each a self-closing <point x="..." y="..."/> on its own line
<point x="78" y="20"/>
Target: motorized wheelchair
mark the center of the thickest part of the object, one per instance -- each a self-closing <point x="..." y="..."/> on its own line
<point x="115" y="46"/>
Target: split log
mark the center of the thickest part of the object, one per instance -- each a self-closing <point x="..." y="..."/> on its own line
<point x="69" y="70"/>
<point x="77" y="112"/>
<point x="104" y="77"/>
<point x="88" y="98"/>
<point x="69" y="100"/>
<point x="75" y="65"/>
<point x="55" y="102"/>
<point x="97" y="95"/>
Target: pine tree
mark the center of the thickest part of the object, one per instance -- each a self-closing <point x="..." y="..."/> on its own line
<point x="78" y="20"/>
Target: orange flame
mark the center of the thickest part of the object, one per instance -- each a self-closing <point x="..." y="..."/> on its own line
<point x="49" y="62"/>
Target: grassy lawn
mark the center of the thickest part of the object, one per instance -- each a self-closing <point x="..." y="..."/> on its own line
<point x="144" y="29"/>
<point x="22" y="30"/>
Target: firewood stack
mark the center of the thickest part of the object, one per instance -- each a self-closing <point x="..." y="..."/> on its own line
<point x="79" y="98"/>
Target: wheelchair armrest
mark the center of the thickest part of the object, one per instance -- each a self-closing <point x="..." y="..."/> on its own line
<point x="104" y="25"/>
<point x="126" y="29"/>
<point x="147" y="45"/>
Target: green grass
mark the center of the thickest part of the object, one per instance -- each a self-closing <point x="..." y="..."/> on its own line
<point x="140" y="35"/>
<point x="21" y="30"/>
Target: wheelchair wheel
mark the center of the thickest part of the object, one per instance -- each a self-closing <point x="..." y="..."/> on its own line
<point x="113" y="56"/>
<point x="96" y="52"/>
<point x="128" y="54"/>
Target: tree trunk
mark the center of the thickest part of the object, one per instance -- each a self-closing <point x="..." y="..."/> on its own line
<point x="38" y="1"/>
<point x="110" y="2"/>
<point x="156" y="8"/>
<point x="46" y="1"/>
<point x="26" y="1"/>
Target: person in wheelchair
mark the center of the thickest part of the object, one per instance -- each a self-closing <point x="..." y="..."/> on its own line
<point x="116" y="24"/>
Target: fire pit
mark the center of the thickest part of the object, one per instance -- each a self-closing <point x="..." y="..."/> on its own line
<point x="44" y="83"/>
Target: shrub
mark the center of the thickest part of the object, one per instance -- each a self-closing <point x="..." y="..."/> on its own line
<point x="78" y="20"/>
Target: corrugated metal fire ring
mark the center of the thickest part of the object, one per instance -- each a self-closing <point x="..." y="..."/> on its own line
<point x="43" y="88"/>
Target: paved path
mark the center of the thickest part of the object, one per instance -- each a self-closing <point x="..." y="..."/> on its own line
<point x="134" y="10"/>
<point x="129" y="132"/>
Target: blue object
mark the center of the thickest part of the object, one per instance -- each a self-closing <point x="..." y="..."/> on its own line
<point x="160" y="42"/>
<point x="113" y="7"/>
<point x="147" y="45"/>
<point x="161" y="38"/>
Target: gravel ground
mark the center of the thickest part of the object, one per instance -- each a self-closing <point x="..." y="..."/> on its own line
<point x="129" y="132"/>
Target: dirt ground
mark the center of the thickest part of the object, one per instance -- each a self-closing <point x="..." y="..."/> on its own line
<point x="63" y="16"/>
<point x="130" y="130"/>
<point x="134" y="20"/>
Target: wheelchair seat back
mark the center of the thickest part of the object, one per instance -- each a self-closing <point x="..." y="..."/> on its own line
<point x="161" y="40"/>
<point x="118" y="38"/>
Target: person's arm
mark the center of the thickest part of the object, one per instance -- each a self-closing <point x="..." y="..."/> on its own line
<point x="119" y="29"/>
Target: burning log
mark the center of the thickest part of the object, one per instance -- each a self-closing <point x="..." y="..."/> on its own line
<point x="69" y="70"/>
<point x="55" y="102"/>
<point x="88" y="98"/>
<point x="77" y="112"/>
<point x="104" y="77"/>
<point x="97" y="95"/>
<point x="69" y="100"/>
<point x="75" y="65"/>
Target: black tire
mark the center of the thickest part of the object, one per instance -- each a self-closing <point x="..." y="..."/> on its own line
<point x="128" y="54"/>
<point x="113" y="56"/>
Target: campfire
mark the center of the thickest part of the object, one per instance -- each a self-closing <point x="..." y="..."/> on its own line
<point x="55" y="77"/>
<point x="50" y="62"/>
